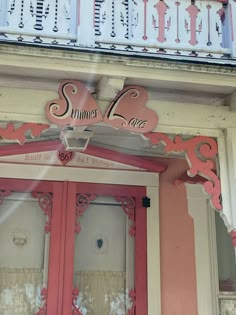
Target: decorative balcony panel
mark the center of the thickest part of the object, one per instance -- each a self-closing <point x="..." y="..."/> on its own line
<point x="181" y="28"/>
<point x="39" y="21"/>
<point x="160" y="26"/>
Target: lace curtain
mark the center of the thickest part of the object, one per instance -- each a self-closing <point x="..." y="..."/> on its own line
<point x="102" y="293"/>
<point x="20" y="291"/>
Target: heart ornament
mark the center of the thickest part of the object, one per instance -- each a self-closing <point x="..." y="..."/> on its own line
<point x="75" y="107"/>
<point x="65" y="156"/>
<point x="128" y="111"/>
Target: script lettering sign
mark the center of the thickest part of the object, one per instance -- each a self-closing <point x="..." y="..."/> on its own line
<point x="128" y="111"/>
<point x="75" y="107"/>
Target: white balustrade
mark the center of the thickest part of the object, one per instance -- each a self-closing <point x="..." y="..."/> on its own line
<point x="143" y="26"/>
<point x="232" y="25"/>
<point x="39" y="21"/>
<point x="168" y="26"/>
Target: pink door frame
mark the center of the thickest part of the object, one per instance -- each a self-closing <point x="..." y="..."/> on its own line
<point x="61" y="224"/>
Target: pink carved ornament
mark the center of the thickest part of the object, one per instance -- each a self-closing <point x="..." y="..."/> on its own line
<point x="193" y="13"/>
<point x="45" y="203"/>
<point x="76" y="106"/>
<point x="18" y="133"/>
<point x="128" y="206"/>
<point x="161" y="11"/>
<point x="199" y="152"/>
<point x="128" y="111"/>
<point x="75" y="308"/>
<point x="190" y="180"/>
<point x="132" y="296"/>
<point x="82" y="204"/>
<point x="43" y="308"/>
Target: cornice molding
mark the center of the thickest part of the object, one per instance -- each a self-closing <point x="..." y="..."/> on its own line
<point x="198" y="65"/>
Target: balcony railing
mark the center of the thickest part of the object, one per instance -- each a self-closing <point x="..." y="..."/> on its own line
<point x="199" y="28"/>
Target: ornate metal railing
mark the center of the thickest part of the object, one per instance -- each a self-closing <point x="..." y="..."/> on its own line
<point x="172" y="27"/>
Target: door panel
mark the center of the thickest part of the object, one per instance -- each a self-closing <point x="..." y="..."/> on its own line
<point x="102" y="232"/>
<point x="100" y="259"/>
<point x="60" y="237"/>
<point x="25" y="232"/>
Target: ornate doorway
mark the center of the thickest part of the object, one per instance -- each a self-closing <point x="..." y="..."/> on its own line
<point x="72" y="248"/>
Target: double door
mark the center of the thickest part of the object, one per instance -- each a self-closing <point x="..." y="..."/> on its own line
<point x="72" y="249"/>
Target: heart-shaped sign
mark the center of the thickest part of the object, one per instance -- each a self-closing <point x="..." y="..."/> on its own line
<point x="65" y="156"/>
<point x="128" y="111"/>
<point x="76" y="106"/>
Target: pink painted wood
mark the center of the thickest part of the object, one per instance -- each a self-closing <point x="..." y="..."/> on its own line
<point x="50" y="294"/>
<point x="56" y="253"/>
<point x="161" y="11"/>
<point x="65" y="156"/>
<point x="200" y="152"/>
<point x="18" y="133"/>
<point x="62" y="237"/>
<point x="128" y="111"/>
<point x="145" y="21"/>
<point x="140" y="240"/>
<point x="59" y="293"/>
<point x="184" y="178"/>
<point x="75" y="107"/>
<point x="141" y="162"/>
<point x="193" y="13"/>
<point x="141" y="259"/>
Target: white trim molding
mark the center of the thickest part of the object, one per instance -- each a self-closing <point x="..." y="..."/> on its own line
<point x="205" y="250"/>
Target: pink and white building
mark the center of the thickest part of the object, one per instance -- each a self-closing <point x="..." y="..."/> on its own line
<point x="117" y="157"/>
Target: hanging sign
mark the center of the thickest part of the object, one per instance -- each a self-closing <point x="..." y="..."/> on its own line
<point x="128" y="111"/>
<point x="77" y="107"/>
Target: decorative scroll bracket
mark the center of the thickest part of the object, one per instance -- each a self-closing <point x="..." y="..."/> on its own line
<point x="75" y="308"/>
<point x="82" y="203"/>
<point x="132" y="296"/>
<point x="203" y="165"/>
<point x="128" y="205"/>
<point x="13" y="133"/>
<point x="45" y="203"/>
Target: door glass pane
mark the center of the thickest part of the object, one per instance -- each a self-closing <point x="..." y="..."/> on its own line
<point x="104" y="258"/>
<point x="226" y="258"/>
<point x="24" y="252"/>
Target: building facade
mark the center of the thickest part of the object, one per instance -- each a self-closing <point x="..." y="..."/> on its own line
<point x="117" y="157"/>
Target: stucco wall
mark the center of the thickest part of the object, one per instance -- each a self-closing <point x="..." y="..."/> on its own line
<point x="178" y="275"/>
